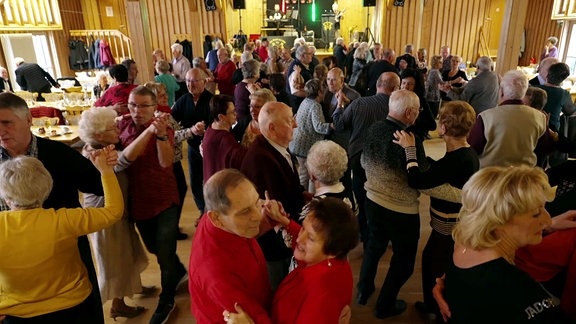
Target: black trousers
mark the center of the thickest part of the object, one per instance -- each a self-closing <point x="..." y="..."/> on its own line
<point x="403" y="230"/>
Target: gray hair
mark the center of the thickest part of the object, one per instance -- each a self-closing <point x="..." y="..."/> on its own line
<point x="327" y="161"/>
<point x="217" y="187"/>
<point x="339" y="41"/>
<point x="95" y="121"/>
<point x="246" y="55"/>
<point x="197" y="62"/>
<point x="361" y="52"/>
<point x="25" y="182"/>
<point x="401" y="100"/>
<point x="16" y="104"/>
<point x="409" y="48"/>
<point x="313" y="88"/>
<point x="163" y="66"/>
<point x="301" y="50"/>
<point x="484" y="63"/>
<point x="18" y="61"/>
<point x="514" y="84"/>
<point x="553" y="40"/>
<point x="264" y="94"/>
<point x="250" y="69"/>
<point x="177" y="47"/>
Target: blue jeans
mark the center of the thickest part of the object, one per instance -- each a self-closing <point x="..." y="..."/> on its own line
<point x="384" y="226"/>
<point x="159" y="235"/>
<point x="196" y="169"/>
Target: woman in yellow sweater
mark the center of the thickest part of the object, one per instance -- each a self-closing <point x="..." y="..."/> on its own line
<point x="42" y="278"/>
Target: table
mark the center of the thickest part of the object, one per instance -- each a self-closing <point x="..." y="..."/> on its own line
<point x="71" y="137"/>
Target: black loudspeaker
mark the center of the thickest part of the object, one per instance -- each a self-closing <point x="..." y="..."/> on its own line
<point x="239" y="4"/>
<point x="369" y="3"/>
<point x="210" y="5"/>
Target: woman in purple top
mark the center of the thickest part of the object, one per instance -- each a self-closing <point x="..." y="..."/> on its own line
<point x="550" y="49"/>
<point x="251" y="73"/>
<point x="220" y="148"/>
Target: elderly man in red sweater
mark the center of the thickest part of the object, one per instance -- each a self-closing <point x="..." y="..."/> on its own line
<point x="227" y="265"/>
<point x="224" y="72"/>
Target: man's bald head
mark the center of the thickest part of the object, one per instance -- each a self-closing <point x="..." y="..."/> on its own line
<point x="545" y="65"/>
<point x="387" y="83"/>
<point x="277" y="123"/>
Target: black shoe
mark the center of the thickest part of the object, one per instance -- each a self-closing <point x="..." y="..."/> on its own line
<point x="181" y="236"/>
<point x="425" y="310"/>
<point x="362" y="298"/>
<point x="183" y="279"/>
<point x="399" y="308"/>
<point x="162" y="313"/>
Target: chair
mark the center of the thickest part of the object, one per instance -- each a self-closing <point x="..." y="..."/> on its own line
<point x="72" y="89"/>
<point x="73" y="114"/>
<point x="53" y="97"/>
<point x="45" y="121"/>
<point x="38" y="112"/>
<point x="74" y="96"/>
<point x="26" y="95"/>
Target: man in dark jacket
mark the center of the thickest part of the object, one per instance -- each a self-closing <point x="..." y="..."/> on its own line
<point x="31" y="77"/>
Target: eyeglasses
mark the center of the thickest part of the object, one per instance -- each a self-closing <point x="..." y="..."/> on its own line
<point x="132" y="105"/>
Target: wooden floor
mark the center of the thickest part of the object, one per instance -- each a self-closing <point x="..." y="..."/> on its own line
<point x="411" y="292"/>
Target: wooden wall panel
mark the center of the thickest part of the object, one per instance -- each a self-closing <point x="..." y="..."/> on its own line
<point x="72" y="18"/>
<point x="177" y="20"/>
<point x="252" y="17"/>
<point x="454" y="23"/>
<point x="538" y="28"/>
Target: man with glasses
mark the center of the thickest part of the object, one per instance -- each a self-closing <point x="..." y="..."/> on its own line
<point x="299" y="72"/>
<point x="193" y="110"/>
<point x="153" y="190"/>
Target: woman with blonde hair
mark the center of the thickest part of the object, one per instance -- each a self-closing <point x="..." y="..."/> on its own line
<point x="357" y="80"/>
<point x="502" y="211"/>
<point x="247" y="130"/>
<point x="455" y="76"/>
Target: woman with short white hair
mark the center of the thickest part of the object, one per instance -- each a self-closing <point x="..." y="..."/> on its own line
<point x="326" y="163"/>
<point x="117" y="250"/>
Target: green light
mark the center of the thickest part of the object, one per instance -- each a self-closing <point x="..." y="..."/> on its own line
<point x="313" y="11"/>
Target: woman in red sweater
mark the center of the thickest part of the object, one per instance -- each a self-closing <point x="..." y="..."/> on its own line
<point x="319" y="289"/>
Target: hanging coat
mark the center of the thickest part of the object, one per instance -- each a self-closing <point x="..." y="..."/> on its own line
<point x="78" y="55"/>
<point x="106" y="54"/>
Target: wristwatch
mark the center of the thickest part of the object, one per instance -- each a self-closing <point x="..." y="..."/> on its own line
<point x="162" y="138"/>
